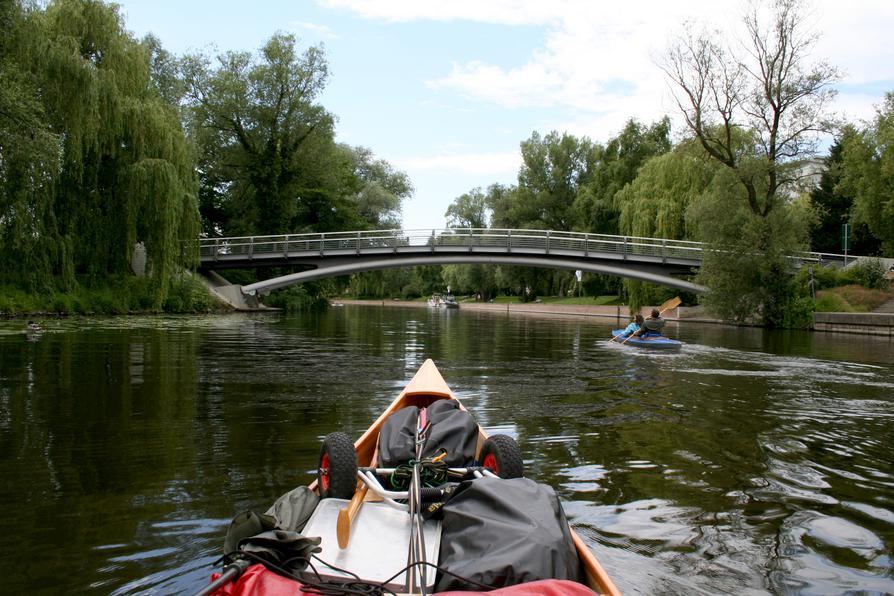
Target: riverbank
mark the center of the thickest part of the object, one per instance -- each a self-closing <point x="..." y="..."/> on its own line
<point x="843" y="322"/>
<point x="688" y="313"/>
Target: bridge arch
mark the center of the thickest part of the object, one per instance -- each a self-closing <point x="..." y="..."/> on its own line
<point x="641" y="272"/>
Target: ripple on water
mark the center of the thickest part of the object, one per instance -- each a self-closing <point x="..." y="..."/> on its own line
<point x="822" y="554"/>
<point x="582" y="479"/>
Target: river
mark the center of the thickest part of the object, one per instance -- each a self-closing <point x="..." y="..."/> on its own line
<point x="750" y="462"/>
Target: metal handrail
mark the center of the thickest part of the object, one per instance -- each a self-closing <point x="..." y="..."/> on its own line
<point x="467" y="239"/>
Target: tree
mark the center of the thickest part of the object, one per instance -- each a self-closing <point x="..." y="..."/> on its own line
<point x="655" y="204"/>
<point x="109" y="164"/>
<point x="553" y="169"/>
<point x="833" y="207"/>
<point x="29" y="160"/>
<point x="468" y="210"/>
<point x="868" y="174"/>
<point x="263" y="139"/>
<point x="377" y="190"/>
<point x="756" y="114"/>
<point x="616" y="165"/>
<point x="501" y="201"/>
<point x="771" y="91"/>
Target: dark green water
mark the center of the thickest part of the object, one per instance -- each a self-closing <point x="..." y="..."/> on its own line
<point x="751" y="462"/>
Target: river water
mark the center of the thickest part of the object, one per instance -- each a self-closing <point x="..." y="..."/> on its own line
<point x="751" y="462"/>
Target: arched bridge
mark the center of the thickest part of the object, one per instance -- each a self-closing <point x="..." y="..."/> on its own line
<point x="330" y="254"/>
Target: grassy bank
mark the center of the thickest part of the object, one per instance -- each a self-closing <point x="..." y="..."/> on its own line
<point x="851" y="298"/>
<point x="112" y="296"/>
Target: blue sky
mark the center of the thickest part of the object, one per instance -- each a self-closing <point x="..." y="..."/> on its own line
<point x="447" y="90"/>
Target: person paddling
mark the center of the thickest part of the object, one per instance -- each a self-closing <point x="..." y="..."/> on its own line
<point x="652" y="326"/>
<point x="634" y="326"/>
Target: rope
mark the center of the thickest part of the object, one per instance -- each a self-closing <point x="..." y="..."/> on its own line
<point x="432" y="470"/>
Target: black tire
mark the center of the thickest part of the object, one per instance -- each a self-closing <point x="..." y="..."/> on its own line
<point x="337" y="472"/>
<point x="501" y="455"/>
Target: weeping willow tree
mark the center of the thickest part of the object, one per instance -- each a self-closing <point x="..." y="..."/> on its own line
<point x="654" y="206"/>
<point x="117" y="169"/>
<point x="29" y="159"/>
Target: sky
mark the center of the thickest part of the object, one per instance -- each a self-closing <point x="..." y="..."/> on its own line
<point x="447" y="90"/>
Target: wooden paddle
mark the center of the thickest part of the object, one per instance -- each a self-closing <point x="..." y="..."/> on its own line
<point x="672" y="303"/>
<point x="615" y="337"/>
<point x="346" y="517"/>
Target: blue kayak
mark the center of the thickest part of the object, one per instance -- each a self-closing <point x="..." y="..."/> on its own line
<point x="656" y="342"/>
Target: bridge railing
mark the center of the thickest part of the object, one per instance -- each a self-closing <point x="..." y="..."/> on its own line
<point x="544" y="241"/>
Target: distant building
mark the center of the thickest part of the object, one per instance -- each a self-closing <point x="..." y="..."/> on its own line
<point x="807" y="176"/>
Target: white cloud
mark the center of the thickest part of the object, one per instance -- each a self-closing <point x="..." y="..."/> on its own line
<point x="598" y="58"/>
<point x="321" y="30"/>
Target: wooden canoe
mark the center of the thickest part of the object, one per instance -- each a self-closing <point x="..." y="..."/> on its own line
<point x="426" y="387"/>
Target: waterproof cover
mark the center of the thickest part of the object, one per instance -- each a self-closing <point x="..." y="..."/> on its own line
<point x="275" y="537"/>
<point x="505" y="532"/>
<point x="451" y="429"/>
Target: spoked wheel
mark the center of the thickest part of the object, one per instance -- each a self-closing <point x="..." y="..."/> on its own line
<point x="337" y="472"/>
<point x="501" y="455"/>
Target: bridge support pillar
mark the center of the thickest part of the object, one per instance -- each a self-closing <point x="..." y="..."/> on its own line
<point x="231" y="294"/>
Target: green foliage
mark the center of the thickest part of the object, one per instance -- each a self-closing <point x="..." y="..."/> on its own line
<point x="376" y="189"/>
<point x="869" y="273"/>
<point x="188" y="294"/>
<point x="832" y="302"/>
<point x="112" y="295"/>
<point x="468" y="210"/>
<point x="616" y="165"/>
<point x="94" y="159"/>
<point x="268" y="159"/>
<point x="297" y="298"/>
<point x="851" y="298"/>
<point x="747" y="269"/>
<point x="833" y="207"/>
<point x="553" y="169"/>
<point x="823" y="277"/>
<point x="654" y="204"/>
<point x="868" y="174"/>
<point x="470" y="279"/>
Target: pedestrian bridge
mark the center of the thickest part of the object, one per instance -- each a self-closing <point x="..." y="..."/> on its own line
<point x="654" y="260"/>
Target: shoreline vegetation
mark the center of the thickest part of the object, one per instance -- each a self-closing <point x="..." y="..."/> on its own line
<point x="111" y="296"/>
<point x="126" y="295"/>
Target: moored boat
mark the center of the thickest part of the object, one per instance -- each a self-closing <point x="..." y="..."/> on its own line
<point x="450" y="302"/>
<point x="424" y="502"/>
<point x="652" y="341"/>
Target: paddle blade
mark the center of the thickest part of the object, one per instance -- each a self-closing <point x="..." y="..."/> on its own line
<point x="343" y="528"/>
<point x="672" y="303"/>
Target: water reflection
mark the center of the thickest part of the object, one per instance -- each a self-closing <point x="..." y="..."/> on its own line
<point x="749" y="462"/>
